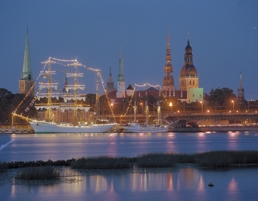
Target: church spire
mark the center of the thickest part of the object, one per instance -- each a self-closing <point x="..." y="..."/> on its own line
<point x="121" y="80"/>
<point x="121" y="69"/>
<point x="241" y="92"/>
<point x="110" y="75"/>
<point x="168" y="80"/>
<point x="27" y="70"/>
<point x="26" y="83"/>
<point x="110" y="83"/>
<point x="240" y="82"/>
<point x="168" y="39"/>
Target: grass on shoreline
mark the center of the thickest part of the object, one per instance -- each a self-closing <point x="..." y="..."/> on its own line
<point x="154" y="160"/>
<point x="38" y="173"/>
<point x="102" y="162"/>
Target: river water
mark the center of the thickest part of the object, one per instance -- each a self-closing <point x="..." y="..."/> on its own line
<point x="182" y="183"/>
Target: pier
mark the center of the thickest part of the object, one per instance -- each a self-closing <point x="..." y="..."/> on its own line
<point x="234" y="118"/>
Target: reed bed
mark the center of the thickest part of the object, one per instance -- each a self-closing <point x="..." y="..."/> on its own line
<point x="3" y="167"/>
<point x="102" y="162"/>
<point x="38" y="173"/>
<point x="226" y="158"/>
<point x="155" y="160"/>
<point x="209" y="159"/>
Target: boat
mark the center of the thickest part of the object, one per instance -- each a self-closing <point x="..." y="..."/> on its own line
<point x="211" y="184"/>
<point x="52" y="127"/>
<point x="72" y="104"/>
<point x="135" y="127"/>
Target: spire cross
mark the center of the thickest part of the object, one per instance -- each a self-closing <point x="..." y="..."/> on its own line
<point x="120" y="51"/>
<point x="168" y="30"/>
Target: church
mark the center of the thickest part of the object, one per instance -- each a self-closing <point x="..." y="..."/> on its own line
<point x="188" y="90"/>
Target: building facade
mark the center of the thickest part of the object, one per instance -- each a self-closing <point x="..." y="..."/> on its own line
<point x="189" y="79"/>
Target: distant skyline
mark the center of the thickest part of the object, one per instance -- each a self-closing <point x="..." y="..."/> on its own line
<point x="223" y="36"/>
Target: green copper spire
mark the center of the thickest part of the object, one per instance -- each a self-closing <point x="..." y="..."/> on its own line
<point x="121" y="70"/>
<point x="26" y="70"/>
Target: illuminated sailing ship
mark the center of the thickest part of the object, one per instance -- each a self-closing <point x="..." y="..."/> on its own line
<point x="72" y="104"/>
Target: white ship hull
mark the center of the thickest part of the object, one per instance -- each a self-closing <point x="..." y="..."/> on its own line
<point x="137" y="128"/>
<point x="50" y="127"/>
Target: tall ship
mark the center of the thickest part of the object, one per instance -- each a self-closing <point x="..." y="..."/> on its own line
<point x="135" y="127"/>
<point x="66" y="111"/>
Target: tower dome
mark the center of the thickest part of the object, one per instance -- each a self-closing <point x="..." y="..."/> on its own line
<point x="188" y="48"/>
<point x="188" y="71"/>
<point x="188" y="68"/>
<point x="188" y="74"/>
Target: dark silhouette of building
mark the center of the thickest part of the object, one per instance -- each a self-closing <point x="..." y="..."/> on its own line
<point x="110" y="84"/>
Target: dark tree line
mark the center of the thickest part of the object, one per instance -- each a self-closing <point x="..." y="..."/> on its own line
<point x="8" y="104"/>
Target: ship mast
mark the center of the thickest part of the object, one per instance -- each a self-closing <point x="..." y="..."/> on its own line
<point x="75" y="87"/>
<point x="49" y="86"/>
<point x="147" y="108"/>
<point x="134" y="107"/>
<point x="97" y="95"/>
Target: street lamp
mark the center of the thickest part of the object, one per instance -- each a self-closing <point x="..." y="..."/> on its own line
<point x="233" y="105"/>
<point x="170" y="105"/>
<point x="142" y="108"/>
<point x="202" y="106"/>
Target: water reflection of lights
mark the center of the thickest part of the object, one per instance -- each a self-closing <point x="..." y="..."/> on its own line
<point x="232" y="186"/>
<point x="201" y="184"/>
<point x="246" y="132"/>
<point x="201" y="134"/>
<point x="98" y="183"/>
<point x="170" y="181"/>
<point x="233" y="134"/>
<point x="171" y="135"/>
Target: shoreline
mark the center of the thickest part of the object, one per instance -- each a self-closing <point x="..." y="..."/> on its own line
<point x="212" y="159"/>
<point x="216" y="129"/>
<point x="185" y="129"/>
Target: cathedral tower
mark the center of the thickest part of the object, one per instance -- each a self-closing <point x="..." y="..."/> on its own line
<point x="110" y="83"/>
<point x="241" y="94"/>
<point x="168" y="80"/>
<point x="188" y="75"/>
<point x="26" y="83"/>
<point x="121" y="81"/>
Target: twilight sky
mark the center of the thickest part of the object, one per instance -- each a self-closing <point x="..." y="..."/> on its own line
<point x="223" y="35"/>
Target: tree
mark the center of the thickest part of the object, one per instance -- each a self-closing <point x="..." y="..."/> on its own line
<point x="9" y="103"/>
<point x="221" y="99"/>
